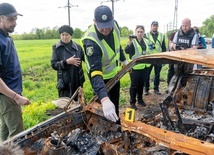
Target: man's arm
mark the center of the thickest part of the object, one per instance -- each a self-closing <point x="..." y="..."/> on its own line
<point x="94" y="56"/>
<point x="163" y="45"/>
<point x="4" y="89"/>
<point x="174" y="42"/>
<point x="122" y="57"/>
<point x="194" y="43"/>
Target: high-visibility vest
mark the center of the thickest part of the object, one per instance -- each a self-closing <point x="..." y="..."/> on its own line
<point x="138" y="53"/>
<point x="110" y="59"/>
<point x="158" y="43"/>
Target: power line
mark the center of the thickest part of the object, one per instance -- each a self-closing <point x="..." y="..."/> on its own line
<point x="69" y="5"/>
<point x="175" y="15"/>
<point x="112" y="4"/>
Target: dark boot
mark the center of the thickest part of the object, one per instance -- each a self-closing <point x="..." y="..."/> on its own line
<point x="141" y="103"/>
<point x="157" y="91"/>
<point x="146" y="92"/>
<point x="133" y="106"/>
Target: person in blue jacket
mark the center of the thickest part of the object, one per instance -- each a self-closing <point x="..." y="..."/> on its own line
<point x="213" y="41"/>
<point x="11" y="99"/>
<point x="201" y="42"/>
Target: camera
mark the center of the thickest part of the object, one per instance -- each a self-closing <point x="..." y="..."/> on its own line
<point x="60" y="84"/>
<point x="181" y="46"/>
<point x="131" y="36"/>
<point x="151" y="46"/>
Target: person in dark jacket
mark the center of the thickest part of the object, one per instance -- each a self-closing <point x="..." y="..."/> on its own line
<point x="103" y="55"/>
<point x="156" y="45"/>
<point x="67" y="59"/>
<point x="136" y="47"/>
<point x="185" y="39"/>
<point x="201" y="42"/>
<point x="171" y="66"/>
<point x="11" y="99"/>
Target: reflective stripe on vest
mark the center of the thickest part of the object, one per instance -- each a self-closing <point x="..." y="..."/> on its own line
<point x="138" y="52"/>
<point x="110" y="59"/>
<point x="158" y="46"/>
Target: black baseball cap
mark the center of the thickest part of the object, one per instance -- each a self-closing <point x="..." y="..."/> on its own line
<point x="154" y="23"/>
<point x="8" y="10"/>
<point x="103" y="16"/>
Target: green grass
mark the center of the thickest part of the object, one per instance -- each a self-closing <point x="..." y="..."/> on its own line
<point x="39" y="79"/>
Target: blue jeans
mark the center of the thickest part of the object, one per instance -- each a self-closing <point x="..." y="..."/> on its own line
<point x="199" y="66"/>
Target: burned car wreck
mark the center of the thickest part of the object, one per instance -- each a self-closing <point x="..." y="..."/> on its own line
<point x="182" y="124"/>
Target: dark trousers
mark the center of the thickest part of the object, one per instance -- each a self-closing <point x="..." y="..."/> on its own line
<point x="170" y="73"/>
<point x="137" y="83"/>
<point x="114" y="95"/>
<point x="157" y="69"/>
<point x="69" y="90"/>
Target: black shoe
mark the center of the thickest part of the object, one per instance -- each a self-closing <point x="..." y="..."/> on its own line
<point x="167" y="91"/>
<point x="157" y="92"/>
<point x="133" y="106"/>
<point x="142" y="103"/>
<point x="146" y="92"/>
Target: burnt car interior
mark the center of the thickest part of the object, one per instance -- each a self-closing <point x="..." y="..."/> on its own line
<point x="182" y="124"/>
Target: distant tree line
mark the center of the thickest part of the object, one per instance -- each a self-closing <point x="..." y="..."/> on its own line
<point x="47" y="33"/>
<point x="207" y="29"/>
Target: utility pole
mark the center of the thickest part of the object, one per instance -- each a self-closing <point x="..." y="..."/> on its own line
<point x="175" y="15"/>
<point x="112" y="4"/>
<point x="68" y="5"/>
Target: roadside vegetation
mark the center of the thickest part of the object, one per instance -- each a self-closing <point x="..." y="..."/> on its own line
<point x="39" y="79"/>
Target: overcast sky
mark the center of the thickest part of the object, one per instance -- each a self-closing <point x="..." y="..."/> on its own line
<point x="50" y="13"/>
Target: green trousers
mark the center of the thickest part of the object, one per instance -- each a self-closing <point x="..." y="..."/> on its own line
<point x="11" y="122"/>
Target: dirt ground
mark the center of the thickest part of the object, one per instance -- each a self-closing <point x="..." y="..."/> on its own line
<point x="151" y="101"/>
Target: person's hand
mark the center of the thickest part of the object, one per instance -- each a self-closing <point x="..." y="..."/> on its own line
<point x="21" y="100"/>
<point x="73" y="61"/>
<point x="109" y="110"/>
<point x="182" y="48"/>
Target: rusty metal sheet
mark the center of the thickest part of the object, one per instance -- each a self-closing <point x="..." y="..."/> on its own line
<point x="170" y="139"/>
<point x="198" y="86"/>
<point x="203" y="57"/>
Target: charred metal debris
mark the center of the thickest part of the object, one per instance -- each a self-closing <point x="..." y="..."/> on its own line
<point x="182" y="124"/>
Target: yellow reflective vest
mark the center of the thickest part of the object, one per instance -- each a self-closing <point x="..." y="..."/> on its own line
<point x="158" y="43"/>
<point x="110" y="58"/>
<point x="138" y="53"/>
